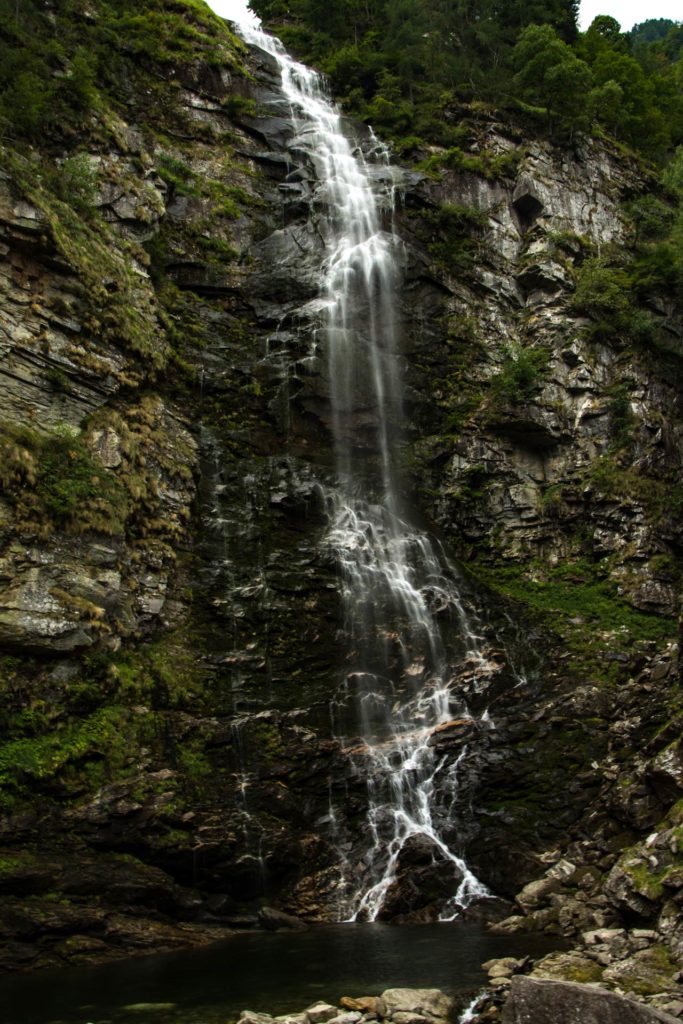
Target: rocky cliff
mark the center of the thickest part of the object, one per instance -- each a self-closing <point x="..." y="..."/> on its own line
<point x="170" y="618"/>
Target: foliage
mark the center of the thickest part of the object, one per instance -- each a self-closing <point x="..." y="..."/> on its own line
<point x="74" y="181"/>
<point x="620" y="413"/>
<point x="578" y="600"/>
<point x="69" y="738"/>
<point x="54" y="478"/>
<point x="55" y="757"/>
<point x="121" y="302"/>
<point x="402" y="65"/>
<point x="550" y="74"/>
<point x="69" y="477"/>
<point x="56" y="72"/>
<point x="521" y="374"/>
<point x="490" y="165"/>
<point x="456" y="228"/>
<point x="178" y="175"/>
<point x="602" y="292"/>
<point x="651" y="218"/>
<point x="398" y="63"/>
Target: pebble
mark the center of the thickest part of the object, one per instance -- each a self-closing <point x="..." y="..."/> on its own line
<point x="320" y="1013"/>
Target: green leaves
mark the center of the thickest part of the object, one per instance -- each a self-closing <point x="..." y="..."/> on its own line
<point x="549" y="73"/>
<point x="602" y="292"/>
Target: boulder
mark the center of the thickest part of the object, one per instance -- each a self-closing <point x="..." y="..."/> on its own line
<point x="423" y="882"/>
<point x="276" y="920"/>
<point x="647" y="972"/>
<point x="502" y="968"/>
<point x="252" y="1017"/>
<point x="533" y="1001"/>
<point x="320" y="1013"/>
<point x="431" y="1003"/>
<point x="365" y="1004"/>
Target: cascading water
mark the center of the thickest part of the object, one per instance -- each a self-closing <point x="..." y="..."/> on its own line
<point x="397" y="587"/>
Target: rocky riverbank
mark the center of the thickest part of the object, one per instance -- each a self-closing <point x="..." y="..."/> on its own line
<point x="519" y="995"/>
<point x="401" y="1005"/>
<point x="613" y="974"/>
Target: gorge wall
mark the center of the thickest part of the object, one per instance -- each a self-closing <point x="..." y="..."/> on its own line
<point x="169" y="616"/>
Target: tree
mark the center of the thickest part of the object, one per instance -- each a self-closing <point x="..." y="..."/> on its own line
<point x="651" y="30"/>
<point x="639" y="121"/>
<point x="551" y="75"/>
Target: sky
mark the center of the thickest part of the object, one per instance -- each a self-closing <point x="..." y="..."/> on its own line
<point x="236" y="10"/>
<point x="627" y="12"/>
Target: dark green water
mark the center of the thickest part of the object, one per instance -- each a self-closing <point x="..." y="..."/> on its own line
<point x="276" y="973"/>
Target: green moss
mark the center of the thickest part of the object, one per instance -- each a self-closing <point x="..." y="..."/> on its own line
<point x="651" y="971"/>
<point x="584" y="973"/>
<point x="489" y="165"/>
<point x="120" y="713"/>
<point x="119" y="302"/>
<point x="217" y="248"/>
<point x="178" y="175"/>
<point x="165" y="672"/>
<point x="57" y="757"/>
<point x="14" y="863"/>
<point x="55" y="478"/>
<point x="521" y="374"/>
<point x="193" y="762"/>
<point x="576" y="601"/>
<point x="265" y="741"/>
<point x="675" y="815"/>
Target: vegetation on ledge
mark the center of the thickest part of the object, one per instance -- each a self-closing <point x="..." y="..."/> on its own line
<point x="56" y="72"/>
<point x="406" y="66"/>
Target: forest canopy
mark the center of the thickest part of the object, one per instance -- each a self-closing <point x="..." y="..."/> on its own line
<point x="400" y="63"/>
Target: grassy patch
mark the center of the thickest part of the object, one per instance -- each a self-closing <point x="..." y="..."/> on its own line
<point x="53" y="481"/>
<point x="584" y="608"/>
<point x="661" y="499"/>
<point x="119" y="301"/>
<point x="521" y="375"/>
<point x="56" y="759"/>
<point x="491" y="166"/>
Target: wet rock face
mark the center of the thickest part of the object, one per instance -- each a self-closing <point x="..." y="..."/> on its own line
<point x="511" y="467"/>
<point x="194" y="739"/>
<point x="545" y="1002"/>
<point x="195" y="749"/>
<point x="529" y="478"/>
<point x="425" y="881"/>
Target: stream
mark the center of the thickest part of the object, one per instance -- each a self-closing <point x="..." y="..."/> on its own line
<point x="400" y="594"/>
<point x="278" y="973"/>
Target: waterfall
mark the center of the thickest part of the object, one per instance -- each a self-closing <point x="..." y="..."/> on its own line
<point x="398" y="588"/>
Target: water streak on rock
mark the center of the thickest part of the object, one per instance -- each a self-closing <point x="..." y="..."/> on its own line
<point x="397" y="587"/>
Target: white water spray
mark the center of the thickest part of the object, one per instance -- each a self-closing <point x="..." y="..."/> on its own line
<point x="397" y="588"/>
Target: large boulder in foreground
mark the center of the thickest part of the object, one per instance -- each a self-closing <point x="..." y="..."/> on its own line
<point x="429" y="1003"/>
<point x="533" y="1001"/>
